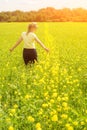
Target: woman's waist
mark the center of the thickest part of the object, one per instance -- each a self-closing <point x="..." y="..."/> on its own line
<point x="30" y="51"/>
<point x="27" y="44"/>
<point x="29" y="48"/>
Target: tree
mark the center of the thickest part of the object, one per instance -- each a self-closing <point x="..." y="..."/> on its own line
<point x="45" y="14"/>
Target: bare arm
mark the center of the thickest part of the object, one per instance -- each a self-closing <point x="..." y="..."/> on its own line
<point x="17" y="43"/>
<point x="42" y="45"/>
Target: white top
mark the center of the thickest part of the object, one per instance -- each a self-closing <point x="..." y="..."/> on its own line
<point x="29" y="40"/>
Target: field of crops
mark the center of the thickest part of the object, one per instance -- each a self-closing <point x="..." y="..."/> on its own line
<point x="52" y="94"/>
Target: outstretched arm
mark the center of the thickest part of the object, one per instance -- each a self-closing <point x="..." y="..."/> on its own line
<point x="17" y="43"/>
<point x="43" y="46"/>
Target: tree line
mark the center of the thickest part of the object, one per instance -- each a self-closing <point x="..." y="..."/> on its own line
<point x="48" y="14"/>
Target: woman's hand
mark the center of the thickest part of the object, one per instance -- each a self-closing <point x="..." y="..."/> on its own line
<point x="10" y="49"/>
<point x="43" y="46"/>
<point x="47" y="50"/>
<point x="16" y="44"/>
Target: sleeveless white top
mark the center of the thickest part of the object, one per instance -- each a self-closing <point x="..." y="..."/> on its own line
<point x="29" y="40"/>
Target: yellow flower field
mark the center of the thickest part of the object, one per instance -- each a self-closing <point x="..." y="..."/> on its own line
<point x="52" y="94"/>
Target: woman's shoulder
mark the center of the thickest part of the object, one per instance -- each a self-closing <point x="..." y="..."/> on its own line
<point x="33" y="34"/>
<point x="23" y="34"/>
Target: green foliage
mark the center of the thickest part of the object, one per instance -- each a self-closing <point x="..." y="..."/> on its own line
<point x="52" y="94"/>
<point x="45" y="15"/>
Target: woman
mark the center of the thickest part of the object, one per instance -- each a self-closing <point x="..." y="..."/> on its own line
<point x="29" y="38"/>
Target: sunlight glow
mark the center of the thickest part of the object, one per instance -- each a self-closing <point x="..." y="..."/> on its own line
<point x="28" y="5"/>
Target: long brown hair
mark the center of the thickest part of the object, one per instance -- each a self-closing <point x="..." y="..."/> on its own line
<point x="30" y="26"/>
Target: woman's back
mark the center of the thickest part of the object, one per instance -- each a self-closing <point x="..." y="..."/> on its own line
<point x="29" y="40"/>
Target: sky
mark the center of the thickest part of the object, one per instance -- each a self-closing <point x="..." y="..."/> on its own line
<point x="28" y="5"/>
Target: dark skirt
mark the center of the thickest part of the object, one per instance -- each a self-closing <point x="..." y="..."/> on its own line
<point x="29" y="55"/>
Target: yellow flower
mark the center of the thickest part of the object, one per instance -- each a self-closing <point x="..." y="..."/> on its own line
<point x="7" y="64"/>
<point x="10" y="128"/>
<point x="65" y="98"/>
<point x="15" y="106"/>
<point x="86" y="120"/>
<point x="41" y="80"/>
<point x="5" y="105"/>
<point x="15" y="92"/>
<point x="23" y="75"/>
<point x="14" y="68"/>
<point x="65" y="86"/>
<point x="70" y="119"/>
<point x="75" y="81"/>
<point x="45" y="94"/>
<point x="69" y="127"/>
<point x="54" y="118"/>
<point x="75" y="123"/>
<point x="39" y="128"/>
<point x="54" y="95"/>
<point x="64" y="104"/>
<point x="38" y="125"/>
<point x="13" y="111"/>
<point x="65" y="71"/>
<point x="8" y="120"/>
<point x="52" y="101"/>
<point x="78" y="84"/>
<point x="59" y="99"/>
<point x="0" y="96"/>
<point x="79" y="69"/>
<point x="82" y="123"/>
<point x="44" y="105"/>
<point x="30" y="119"/>
<point x="59" y="109"/>
<point x="64" y="116"/>
<point x="53" y="112"/>
<point x="86" y="111"/>
<point x="27" y="96"/>
<point x="40" y="112"/>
